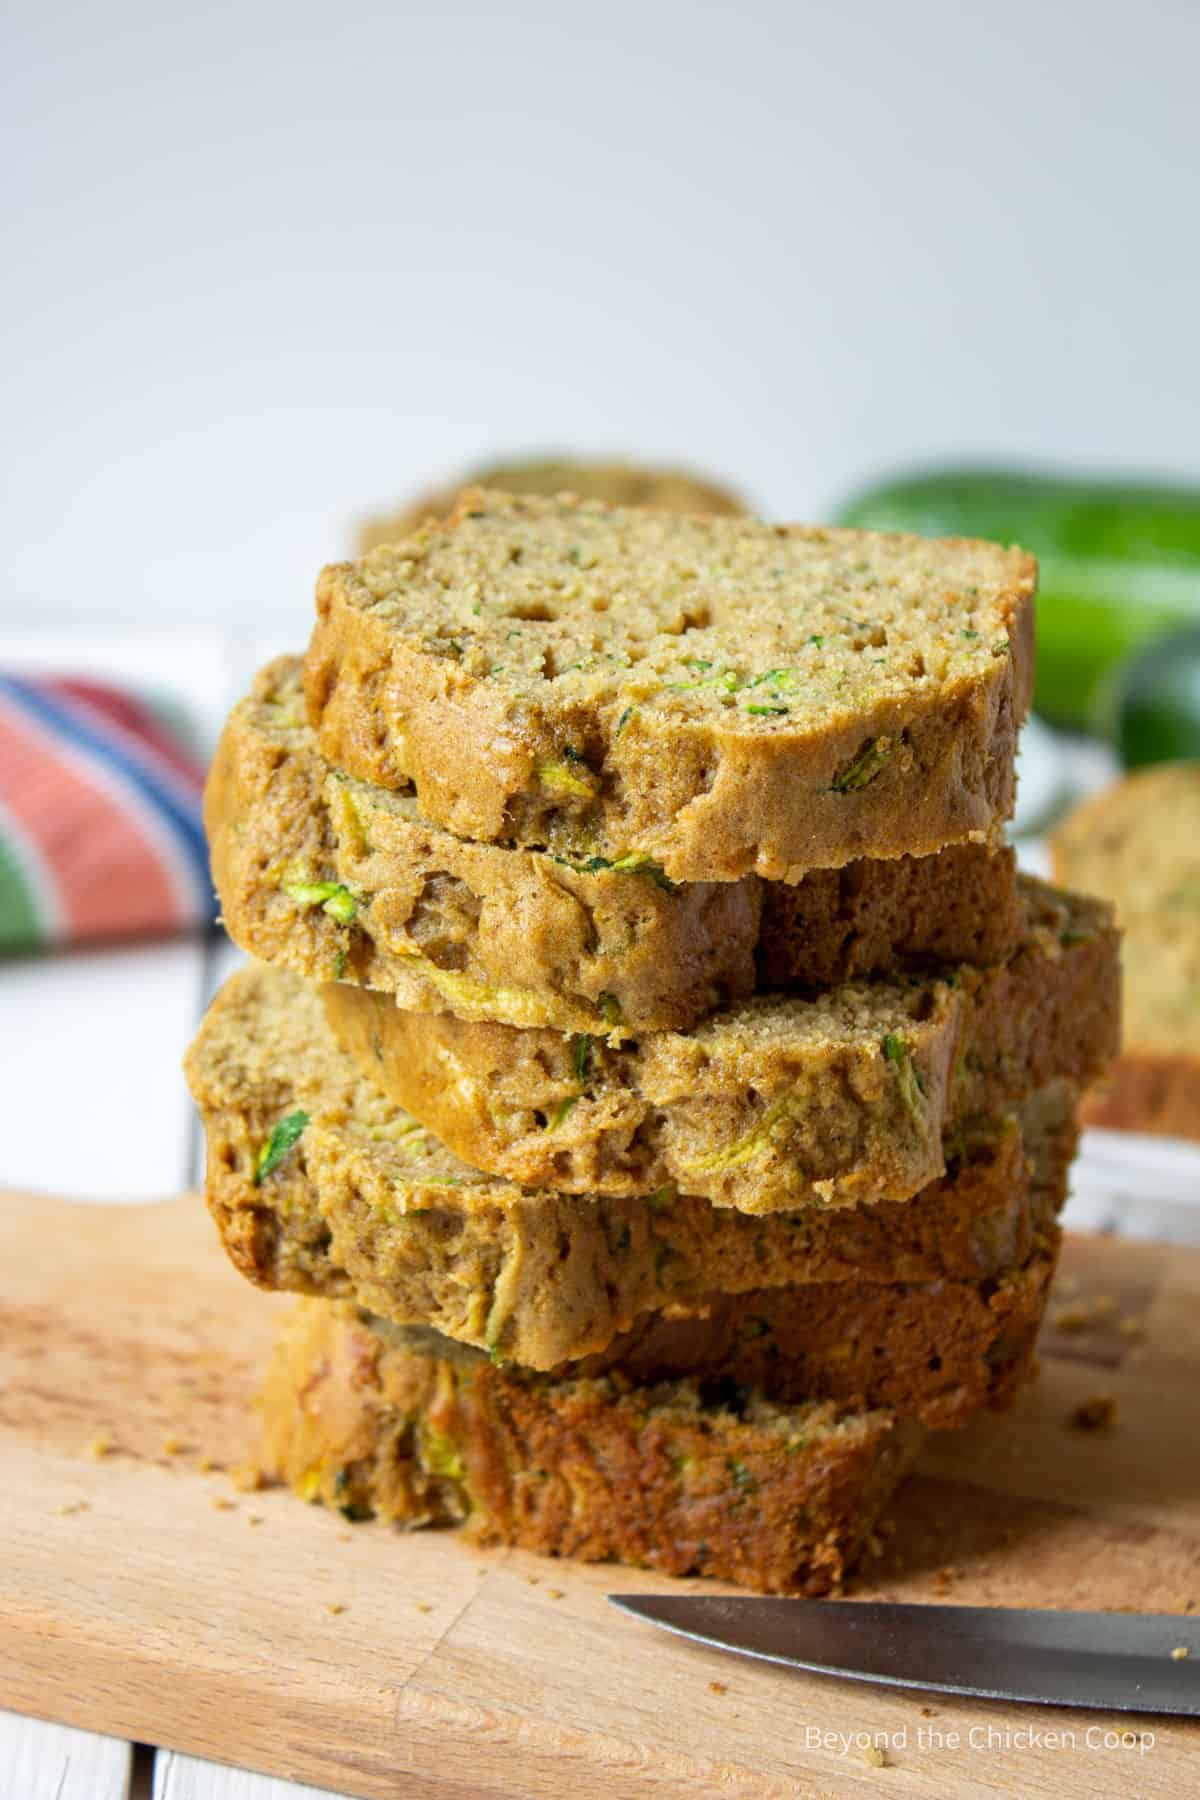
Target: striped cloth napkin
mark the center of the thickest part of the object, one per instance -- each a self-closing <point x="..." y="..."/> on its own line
<point x="100" y="827"/>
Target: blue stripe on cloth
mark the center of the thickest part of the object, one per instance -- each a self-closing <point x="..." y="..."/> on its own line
<point x="57" y="715"/>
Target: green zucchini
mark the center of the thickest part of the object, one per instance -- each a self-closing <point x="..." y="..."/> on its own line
<point x="1153" y="709"/>
<point x="1120" y="562"/>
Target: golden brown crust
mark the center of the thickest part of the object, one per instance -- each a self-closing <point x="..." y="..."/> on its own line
<point x="775" y="1498"/>
<point x="1144" y="1092"/>
<point x="588" y="721"/>
<point x="521" y="937"/>
<point x="775" y="1104"/>
<point x="365" y="1207"/>
<point x="616" y="484"/>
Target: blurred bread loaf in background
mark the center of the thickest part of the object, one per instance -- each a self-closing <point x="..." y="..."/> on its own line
<point x="616" y="483"/>
<point x="1137" y="844"/>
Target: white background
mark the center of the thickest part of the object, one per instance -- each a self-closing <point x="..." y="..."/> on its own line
<point x="267" y="263"/>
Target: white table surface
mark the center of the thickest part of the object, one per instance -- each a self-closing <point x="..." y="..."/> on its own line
<point x="93" y="1105"/>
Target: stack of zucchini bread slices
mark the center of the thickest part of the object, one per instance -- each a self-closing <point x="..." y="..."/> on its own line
<point x="652" y="1068"/>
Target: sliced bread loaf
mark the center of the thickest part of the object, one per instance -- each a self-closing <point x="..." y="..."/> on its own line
<point x="341" y="880"/>
<point x="338" y="879"/>
<point x="1138" y="845"/>
<point x="775" y="1104"/>
<point x="933" y="1351"/>
<point x="717" y="696"/>
<point x="418" y="1432"/>
<point x="356" y="1200"/>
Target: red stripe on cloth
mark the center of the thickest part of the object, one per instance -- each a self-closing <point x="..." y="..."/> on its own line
<point x="110" y="878"/>
<point x="132" y="716"/>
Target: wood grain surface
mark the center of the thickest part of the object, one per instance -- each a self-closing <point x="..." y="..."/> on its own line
<point x="142" y="1594"/>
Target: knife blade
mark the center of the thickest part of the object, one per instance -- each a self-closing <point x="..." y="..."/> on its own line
<point x="1121" y="1662"/>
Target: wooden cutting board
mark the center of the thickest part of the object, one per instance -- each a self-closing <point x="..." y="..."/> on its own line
<point x="143" y="1594"/>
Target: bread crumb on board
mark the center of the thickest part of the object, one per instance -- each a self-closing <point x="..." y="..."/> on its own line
<point x="1097" y="1413"/>
<point x="1096" y="1312"/>
<point x="102" y="1443"/>
<point x="1180" y="1653"/>
<point x="1073" y="1320"/>
<point x="717" y="1687"/>
<point x="874" y="1757"/>
<point x="1087" y="1314"/>
<point x="335" y="1606"/>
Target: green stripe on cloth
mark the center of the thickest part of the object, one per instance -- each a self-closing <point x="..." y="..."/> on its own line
<point x="22" y="926"/>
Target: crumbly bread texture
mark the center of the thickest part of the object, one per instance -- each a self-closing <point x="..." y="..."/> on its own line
<point x="777" y="1103"/>
<point x="368" y="1205"/>
<point x="936" y="1351"/>
<point x="340" y="880"/>
<point x="1138" y="845"/>
<point x="778" y="1498"/>
<point x="874" y="917"/>
<point x="616" y="484"/>
<point x="718" y="696"/>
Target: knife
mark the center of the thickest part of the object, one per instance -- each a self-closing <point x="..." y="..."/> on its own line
<point x="1122" y="1662"/>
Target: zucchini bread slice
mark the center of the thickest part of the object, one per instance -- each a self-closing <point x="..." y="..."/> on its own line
<point x="1138" y="845"/>
<point x="341" y="880"/>
<point x="717" y="696"/>
<point x="617" y="484"/>
<point x="354" y="1199"/>
<point x="414" y="1430"/>
<point x="933" y="1351"/>
<point x="777" y="1103"/>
